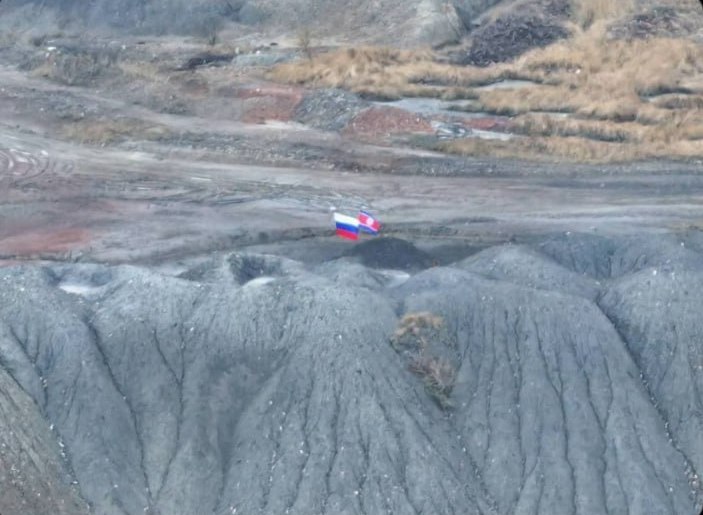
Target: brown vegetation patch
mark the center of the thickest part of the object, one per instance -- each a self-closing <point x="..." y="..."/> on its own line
<point x="413" y="328"/>
<point x="607" y="86"/>
<point x="488" y="123"/>
<point x="587" y="12"/>
<point x="413" y="339"/>
<point x="611" y="88"/>
<point x="673" y="21"/>
<point x="103" y="132"/>
<point x="142" y="70"/>
<point x="76" y="67"/>
<point x="573" y="149"/>
<point x="593" y="75"/>
<point x="386" y="73"/>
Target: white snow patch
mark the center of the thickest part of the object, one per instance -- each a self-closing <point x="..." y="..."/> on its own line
<point x="395" y="277"/>
<point x="259" y="281"/>
<point x="81" y="289"/>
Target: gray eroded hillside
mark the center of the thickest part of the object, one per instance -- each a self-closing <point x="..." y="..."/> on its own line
<point x="256" y="384"/>
<point x="33" y="475"/>
<point x="411" y="22"/>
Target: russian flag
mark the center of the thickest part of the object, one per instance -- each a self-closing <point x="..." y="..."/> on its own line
<point x="368" y="223"/>
<point x="347" y="226"/>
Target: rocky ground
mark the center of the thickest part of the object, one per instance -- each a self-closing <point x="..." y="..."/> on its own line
<point x="181" y="332"/>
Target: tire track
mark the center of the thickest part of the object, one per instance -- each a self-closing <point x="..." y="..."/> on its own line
<point x="20" y="168"/>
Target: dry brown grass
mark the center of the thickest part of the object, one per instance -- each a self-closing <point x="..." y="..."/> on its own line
<point x="626" y="97"/>
<point x="587" y="12"/>
<point x="595" y="76"/>
<point x="438" y="375"/>
<point x="387" y="73"/>
<point x="642" y="66"/>
<point x="414" y="328"/>
<point x="548" y="125"/>
<point x="542" y="149"/>
<point x="145" y="71"/>
<point x="679" y="102"/>
<point x="104" y="132"/>
<point x="677" y="126"/>
<point x="575" y="149"/>
<point x="76" y="68"/>
<point x="588" y="73"/>
<point x="413" y="336"/>
<point x="607" y="86"/>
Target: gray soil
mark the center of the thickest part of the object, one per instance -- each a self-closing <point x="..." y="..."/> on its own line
<point x="181" y="332"/>
<point x="248" y="383"/>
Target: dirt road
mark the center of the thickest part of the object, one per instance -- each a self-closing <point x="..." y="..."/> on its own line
<point x="207" y="185"/>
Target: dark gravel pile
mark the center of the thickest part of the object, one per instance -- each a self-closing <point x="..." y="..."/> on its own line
<point x="510" y="36"/>
<point x="329" y="109"/>
<point x="386" y="252"/>
<point x="661" y="21"/>
<point x="561" y="377"/>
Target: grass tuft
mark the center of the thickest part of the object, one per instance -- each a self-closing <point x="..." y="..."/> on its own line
<point x="588" y="12"/>
<point x="412" y="337"/>
<point x="104" y="132"/>
<point x="386" y="73"/>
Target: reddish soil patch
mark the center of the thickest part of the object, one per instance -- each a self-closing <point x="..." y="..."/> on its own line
<point x="263" y="103"/>
<point x="488" y="124"/>
<point x="271" y="108"/>
<point x="44" y="242"/>
<point x="386" y="121"/>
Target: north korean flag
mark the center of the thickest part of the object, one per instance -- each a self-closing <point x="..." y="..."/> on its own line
<point x="368" y="223"/>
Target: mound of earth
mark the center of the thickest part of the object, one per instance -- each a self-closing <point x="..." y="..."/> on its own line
<point x="522" y="265"/>
<point x="604" y="258"/>
<point x="659" y="21"/>
<point x="511" y="32"/>
<point x="252" y="384"/>
<point x="384" y="21"/>
<point x="390" y="253"/>
<point x="329" y="109"/>
<point x="531" y="25"/>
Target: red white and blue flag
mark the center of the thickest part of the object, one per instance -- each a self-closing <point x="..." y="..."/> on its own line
<point x="368" y="223"/>
<point x="347" y="226"/>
